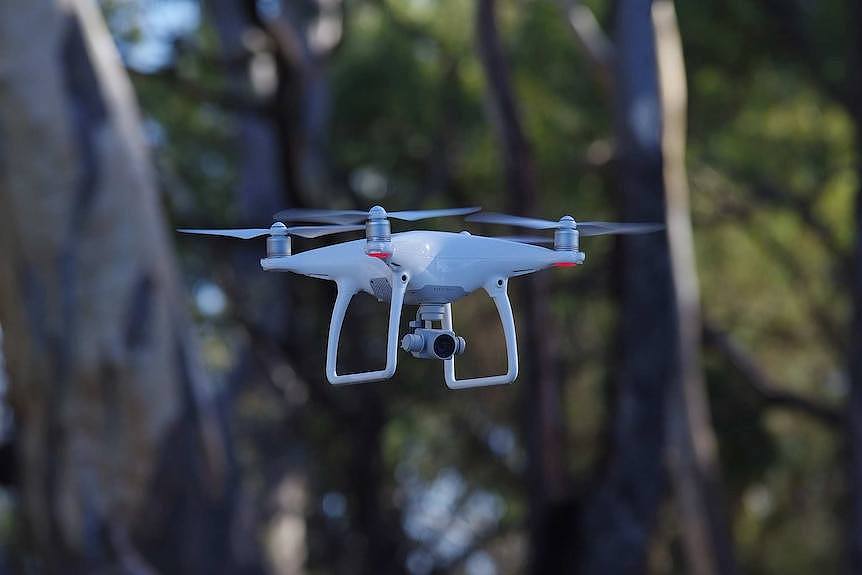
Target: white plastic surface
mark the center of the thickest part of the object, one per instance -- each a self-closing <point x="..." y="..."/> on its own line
<point x="432" y="259"/>
<point x="497" y="289"/>
<point x="434" y="263"/>
<point x="346" y="290"/>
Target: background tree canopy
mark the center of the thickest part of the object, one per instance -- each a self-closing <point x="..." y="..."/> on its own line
<point x="689" y="402"/>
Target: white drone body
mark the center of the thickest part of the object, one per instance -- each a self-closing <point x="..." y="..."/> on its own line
<point x="429" y="269"/>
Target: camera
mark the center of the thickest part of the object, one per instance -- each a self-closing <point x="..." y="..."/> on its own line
<point x="433" y="343"/>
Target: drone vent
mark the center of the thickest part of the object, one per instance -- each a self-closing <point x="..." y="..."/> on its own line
<point x="381" y="288"/>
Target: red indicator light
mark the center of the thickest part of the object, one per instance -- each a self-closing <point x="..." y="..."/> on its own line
<point x="379" y="255"/>
<point x="564" y="264"/>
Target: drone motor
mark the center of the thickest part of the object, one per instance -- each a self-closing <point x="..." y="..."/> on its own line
<point x="278" y="242"/>
<point x="378" y="234"/>
<point x="566" y="235"/>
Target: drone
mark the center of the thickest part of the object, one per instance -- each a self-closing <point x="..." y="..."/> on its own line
<point x="428" y="269"/>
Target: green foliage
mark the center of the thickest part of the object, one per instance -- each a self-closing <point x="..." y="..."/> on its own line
<point x="409" y="104"/>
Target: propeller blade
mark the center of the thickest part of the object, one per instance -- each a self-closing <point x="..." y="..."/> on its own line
<point x="603" y="228"/>
<point x="507" y="220"/>
<point x="243" y="234"/>
<point x="317" y="231"/>
<point x="356" y="216"/>
<point x="584" y="228"/>
<point x="321" y="216"/>
<point x="526" y="239"/>
<point x="414" y="215"/>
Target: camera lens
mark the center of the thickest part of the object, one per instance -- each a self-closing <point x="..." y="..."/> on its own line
<point x="444" y="346"/>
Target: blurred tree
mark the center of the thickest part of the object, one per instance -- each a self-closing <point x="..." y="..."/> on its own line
<point x="853" y="94"/>
<point x="621" y="514"/>
<point x="121" y="456"/>
<point x="690" y="440"/>
<point x="692" y="446"/>
<point x="323" y="102"/>
<point x="549" y="493"/>
<point x="280" y="59"/>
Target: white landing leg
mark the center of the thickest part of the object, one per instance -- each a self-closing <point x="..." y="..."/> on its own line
<point x="496" y="288"/>
<point x="346" y="289"/>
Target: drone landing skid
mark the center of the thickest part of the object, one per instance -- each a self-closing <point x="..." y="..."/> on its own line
<point x="346" y="290"/>
<point x="495" y="288"/>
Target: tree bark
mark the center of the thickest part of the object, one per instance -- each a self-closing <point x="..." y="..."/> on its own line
<point x="304" y="97"/>
<point x="618" y="519"/>
<point x="692" y="447"/>
<point x="272" y="534"/>
<point x="691" y="442"/>
<point x="122" y="463"/>
<point x="548" y="485"/>
<point x="284" y="162"/>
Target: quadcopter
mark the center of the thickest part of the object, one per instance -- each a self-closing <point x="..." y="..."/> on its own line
<point x="428" y="269"/>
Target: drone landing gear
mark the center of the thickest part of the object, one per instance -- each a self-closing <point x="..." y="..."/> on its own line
<point x="424" y="341"/>
<point x="496" y="288"/>
<point x="346" y="290"/>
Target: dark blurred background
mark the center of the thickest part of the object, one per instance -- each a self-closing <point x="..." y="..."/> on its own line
<point x="689" y="402"/>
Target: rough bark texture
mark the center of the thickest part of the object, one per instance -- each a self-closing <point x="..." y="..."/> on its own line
<point x="550" y="544"/>
<point x="121" y="463"/>
<point x="618" y="519"/>
<point x="692" y="447"/>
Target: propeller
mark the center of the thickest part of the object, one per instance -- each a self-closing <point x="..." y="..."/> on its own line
<point x="302" y="231"/>
<point x="354" y="216"/>
<point x="526" y="239"/>
<point x="584" y="228"/>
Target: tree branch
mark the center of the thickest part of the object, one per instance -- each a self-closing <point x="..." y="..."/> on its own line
<point x="592" y="41"/>
<point x="769" y="392"/>
<point x="191" y="89"/>
<point x="771" y="193"/>
<point x="479" y="542"/>
<point x="788" y="14"/>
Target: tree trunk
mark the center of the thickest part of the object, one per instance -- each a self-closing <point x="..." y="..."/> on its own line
<point x="692" y="451"/>
<point x="550" y="512"/>
<point x="283" y="163"/>
<point x="618" y="519"/>
<point x="262" y="300"/>
<point x="122" y="464"/>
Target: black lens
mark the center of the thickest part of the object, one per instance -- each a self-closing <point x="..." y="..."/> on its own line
<point x="444" y="346"/>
